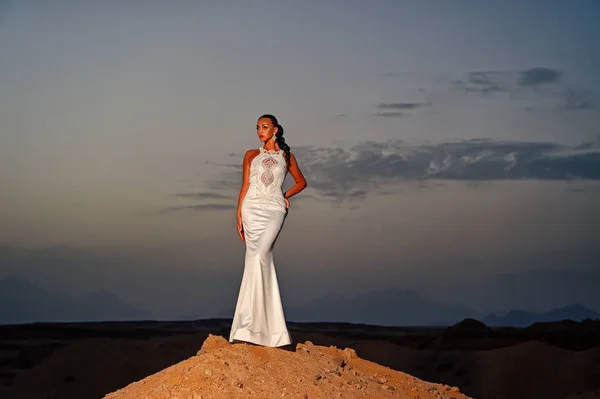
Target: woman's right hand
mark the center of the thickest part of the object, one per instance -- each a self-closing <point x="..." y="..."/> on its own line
<point x="240" y="228"/>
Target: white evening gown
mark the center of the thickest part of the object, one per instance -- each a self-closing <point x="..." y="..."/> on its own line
<point x="259" y="314"/>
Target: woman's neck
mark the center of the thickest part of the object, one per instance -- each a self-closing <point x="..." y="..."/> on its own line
<point x="271" y="145"/>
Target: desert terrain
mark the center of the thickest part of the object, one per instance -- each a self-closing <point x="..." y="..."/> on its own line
<point x="95" y="360"/>
<point x="223" y="371"/>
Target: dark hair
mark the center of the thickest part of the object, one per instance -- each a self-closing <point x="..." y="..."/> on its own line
<point x="279" y="136"/>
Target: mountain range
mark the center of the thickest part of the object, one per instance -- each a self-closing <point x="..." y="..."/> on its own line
<point x="523" y="318"/>
<point x="400" y="307"/>
<point x="24" y="302"/>
<point x="388" y="307"/>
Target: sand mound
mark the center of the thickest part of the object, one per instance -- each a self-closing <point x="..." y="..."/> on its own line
<point x="223" y="371"/>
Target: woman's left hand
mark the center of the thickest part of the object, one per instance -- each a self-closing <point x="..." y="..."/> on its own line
<point x="287" y="203"/>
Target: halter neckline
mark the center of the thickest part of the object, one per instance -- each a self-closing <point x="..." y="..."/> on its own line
<point x="271" y="151"/>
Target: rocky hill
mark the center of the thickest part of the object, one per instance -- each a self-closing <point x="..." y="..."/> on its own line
<point x="222" y="370"/>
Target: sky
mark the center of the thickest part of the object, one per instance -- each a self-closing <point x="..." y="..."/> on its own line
<point x="445" y="144"/>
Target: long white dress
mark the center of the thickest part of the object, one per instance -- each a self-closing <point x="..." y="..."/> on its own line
<point x="259" y="316"/>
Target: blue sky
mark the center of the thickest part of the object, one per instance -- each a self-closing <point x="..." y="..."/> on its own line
<point x="443" y="143"/>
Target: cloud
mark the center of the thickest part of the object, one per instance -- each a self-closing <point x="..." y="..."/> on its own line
<point x="369" y="168"/>
<point x="228" y="202"/>
<point x="537" y="87"/>
<point x="363" y="169"/>
<point x="538" y="76"/>
<point x="204" y="196"/>
<point x="398" y="109"/>
<point x="585" y="188"/>
<point x="200" y="207"/>
<point x="482" y="83"/>
<point x="575" y="98"/>
<point x="588" y="145"/>
<point x="400" y="106"/>
<point x="227" y="181"/>
<point x="390" y="114"/>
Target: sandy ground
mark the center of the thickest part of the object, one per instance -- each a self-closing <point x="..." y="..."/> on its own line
<point x="222" y="370"/>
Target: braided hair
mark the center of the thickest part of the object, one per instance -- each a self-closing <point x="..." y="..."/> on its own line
<point x="279" y="139"/>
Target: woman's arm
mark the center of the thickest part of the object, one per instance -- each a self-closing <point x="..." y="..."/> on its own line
<point x="243" y="190"/>
<point x="294" y="170"/>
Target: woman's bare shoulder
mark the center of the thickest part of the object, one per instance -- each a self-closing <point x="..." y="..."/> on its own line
<point x="250" y="154"/>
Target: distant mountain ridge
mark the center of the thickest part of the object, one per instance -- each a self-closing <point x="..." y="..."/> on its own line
<point x="24" y="302"/>
<point x="394" y="306"/>
<point x="534" y="290"/>
<point x="523" y="318"/>
<point x="387" y="307"/>
<point x="401" y="307"/>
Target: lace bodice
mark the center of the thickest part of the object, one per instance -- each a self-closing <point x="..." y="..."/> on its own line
<point x="267" y="173"/>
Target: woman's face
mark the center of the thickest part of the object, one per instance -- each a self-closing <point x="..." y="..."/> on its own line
<point x="265" y="129"/>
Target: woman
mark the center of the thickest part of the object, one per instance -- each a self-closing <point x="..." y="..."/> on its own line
<point x="262" y="208"/>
